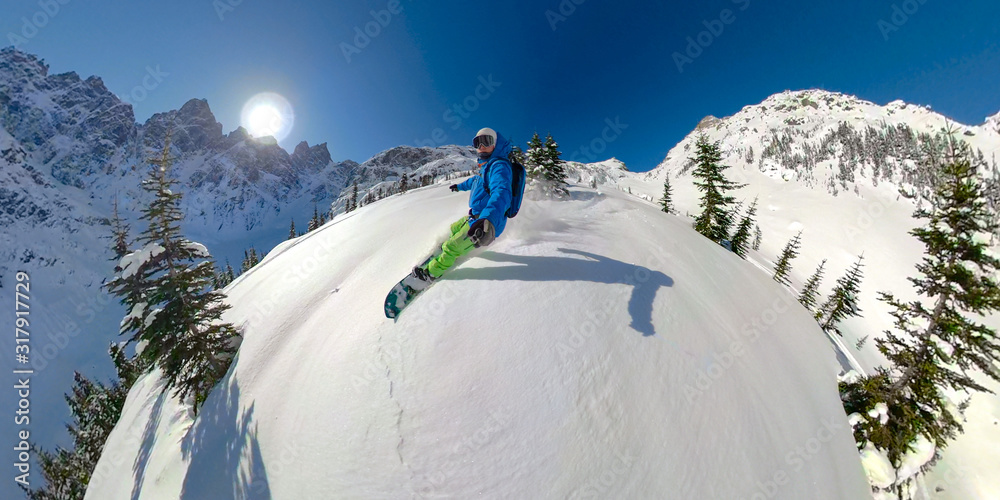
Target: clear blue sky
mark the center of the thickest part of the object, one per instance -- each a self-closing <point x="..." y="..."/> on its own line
<point x="604" y="61"/>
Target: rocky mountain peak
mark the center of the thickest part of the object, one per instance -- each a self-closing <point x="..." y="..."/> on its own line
<point x="707" y="122"/>
<point x="310" y="159"/>
<point x="193" y="127"/>
<point x="13" y="62"/>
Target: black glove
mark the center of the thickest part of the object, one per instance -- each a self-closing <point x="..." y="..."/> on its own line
<point x="481" y="232"/>
<point x="453" y="187"/>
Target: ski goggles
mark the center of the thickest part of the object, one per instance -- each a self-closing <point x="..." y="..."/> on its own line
<point x="482" y="141"/>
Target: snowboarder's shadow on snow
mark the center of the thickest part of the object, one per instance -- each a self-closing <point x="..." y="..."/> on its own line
<point x="594" y="268"/>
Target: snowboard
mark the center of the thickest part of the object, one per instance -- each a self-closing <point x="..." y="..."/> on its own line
<point x="404" y="292"/>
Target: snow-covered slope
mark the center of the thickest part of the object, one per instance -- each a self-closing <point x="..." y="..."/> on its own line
<point x="866" y="215"/>
<point x="599" y="349"/>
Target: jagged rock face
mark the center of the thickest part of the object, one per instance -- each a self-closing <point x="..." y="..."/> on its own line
<point x="73" y="125"/>
<point x="993" y="123"/>
<point x="310" y="159"/>
<point x="193" y="128"/>
<point x="707" y="122"/>
<point x="87" y="138"/>
<point x="387" y="164"/>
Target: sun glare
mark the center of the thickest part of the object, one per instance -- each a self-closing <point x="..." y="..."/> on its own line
<point x="268" y="114"/>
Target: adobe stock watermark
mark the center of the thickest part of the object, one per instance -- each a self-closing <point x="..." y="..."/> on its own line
<point x="722" y="362"/>
<point x="496" y="423"/>
<point x="62" y="331"/>
<point x="601" y="486"/>
<point x="900" y="16"/>
<point x="31" y="26"/>
<point x="596" y="320"/>
<point x="713" y="29"/>
<point x="869" y="213"/>
<point x="364" y="35"/>
<point x="457" y="113"/>
<point x="588" y="153"/>
<point x="565" y="9"/>
<point x="796" y="460"/>
<point x="223" y="7"/>
<point x="150" y="82"/>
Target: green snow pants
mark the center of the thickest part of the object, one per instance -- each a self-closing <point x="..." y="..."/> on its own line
<point x="454" y="247"/>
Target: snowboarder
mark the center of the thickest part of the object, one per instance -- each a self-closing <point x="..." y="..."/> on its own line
<point x="489" y="200"/>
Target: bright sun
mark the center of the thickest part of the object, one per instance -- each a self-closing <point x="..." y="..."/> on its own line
<point x="268" y="114"/>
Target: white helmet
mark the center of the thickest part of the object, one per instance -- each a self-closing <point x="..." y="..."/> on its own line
<point x="484" y="138"/>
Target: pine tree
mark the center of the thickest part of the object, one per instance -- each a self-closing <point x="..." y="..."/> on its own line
<point x="119" y="233"/>
<point x="741" y="239"/>
<point x="352" y="205"/>
<point x="938" y="340"/>
<point x="808" y="296"/>
<point x="534" y="159"/>
<point x="554" y="169"/>
<point x="715" y="219"/>
<point x="734" y="214"/>
<point x="314" y="221"/>
<point x="843" y="301"/>
<point x="178" y="321"/>
<point x="230" y="274"/>
<point x="95" y="409"/>
<point x="784" y="266"/>
<point x="404" y="183"/>
<point x="291" y="231"/>
<point x="757" y="237"/>
<point x="250" y="259"/>
<point x="516" y="155"/>
<point x="750" y="157"/>
<point x="666" y="203"/>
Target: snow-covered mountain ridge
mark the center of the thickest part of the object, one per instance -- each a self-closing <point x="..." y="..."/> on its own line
<point x="832" y="166"/>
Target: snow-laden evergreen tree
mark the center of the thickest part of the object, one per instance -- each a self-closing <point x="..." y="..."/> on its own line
<point x="809" y="293"/>
<point x="939" y="339"/>
<point x="291" y="231"/>
<point x="715" y="219"/>
<point x="741" y="239"/>
<point x="758" y="235"/>
<point x="95" y="409"/>
<point x="843" y="300"/>
<point x="516" y="155"/>
<point x="404" y="183"/>
<point x="667" y="202"/>
<point x="553" y="170"/>
<point x="750" y="156"/>
<point x="534" y="158"/>
<point x="119" y="233"/>
<point x="177" y="325"/>
<point x="784" y="266"/>
<point x="545" y="168"/>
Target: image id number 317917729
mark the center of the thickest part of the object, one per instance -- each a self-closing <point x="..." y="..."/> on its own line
<point x="22" y="350"/>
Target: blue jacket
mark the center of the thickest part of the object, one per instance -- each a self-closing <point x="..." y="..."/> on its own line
<point x="496" y="173"/>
